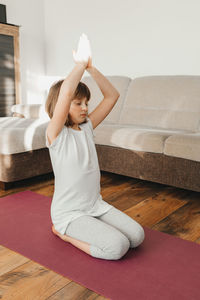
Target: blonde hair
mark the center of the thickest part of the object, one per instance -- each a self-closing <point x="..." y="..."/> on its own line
<point x="81" y="91"/>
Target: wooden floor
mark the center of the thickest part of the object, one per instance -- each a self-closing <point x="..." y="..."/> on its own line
<point x="164" y="208"/>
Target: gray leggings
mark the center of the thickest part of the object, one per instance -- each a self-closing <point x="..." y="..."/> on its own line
<point x="109" y="235"/>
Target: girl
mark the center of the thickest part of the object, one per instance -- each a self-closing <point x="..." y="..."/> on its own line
<point x="79" y="214"/>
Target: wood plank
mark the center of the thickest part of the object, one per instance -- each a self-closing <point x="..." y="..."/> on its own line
<point x="32" y="280"/>
<point x="10" y="260"/>
<point x="157" y="207"/>
<point x="185" y="221"/>
<point x="74" y="291"/>
<point x="132" y="195"/>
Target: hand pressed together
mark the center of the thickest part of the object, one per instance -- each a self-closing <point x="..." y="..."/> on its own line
<point x="83" y="54"/>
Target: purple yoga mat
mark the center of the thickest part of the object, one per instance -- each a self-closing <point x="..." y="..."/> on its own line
<point x="162" y="267"/>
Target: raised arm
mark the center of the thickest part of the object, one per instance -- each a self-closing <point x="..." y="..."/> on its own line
<point x="109" y="92"/>
<point x="62" y="107"/>
<point x="68" y="88"/>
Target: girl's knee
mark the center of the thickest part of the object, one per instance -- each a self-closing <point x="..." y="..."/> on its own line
<point x="115" y="250"/>
<point x="138" y="237"/>
<point x="122" y="247"/>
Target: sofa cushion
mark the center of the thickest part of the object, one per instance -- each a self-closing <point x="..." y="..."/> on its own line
<point x="168" y="102"/>
<point x="21" y="135"/>
<point x="133" y="137"/>
<point x="184" y="146"/>
<point x="121" y="83"/>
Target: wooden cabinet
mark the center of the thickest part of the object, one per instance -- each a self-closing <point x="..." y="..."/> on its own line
<point x="10" y="90"/>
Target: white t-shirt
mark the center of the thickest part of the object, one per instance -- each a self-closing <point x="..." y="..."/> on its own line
<point x="77" y="176"/>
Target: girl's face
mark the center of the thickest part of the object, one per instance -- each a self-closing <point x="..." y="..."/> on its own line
<point x="78" y="110"/>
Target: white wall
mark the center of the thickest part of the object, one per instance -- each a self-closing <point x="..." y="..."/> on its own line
<point x="30" y="15"/>
<point x="128" y="37"/>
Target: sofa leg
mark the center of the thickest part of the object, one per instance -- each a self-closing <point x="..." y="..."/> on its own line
<point x="5" y="185"/>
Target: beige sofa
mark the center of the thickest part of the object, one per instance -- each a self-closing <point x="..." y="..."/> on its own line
<point x="152" y="133"/>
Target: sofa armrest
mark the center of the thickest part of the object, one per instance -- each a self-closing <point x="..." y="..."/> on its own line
<point x="29" y="111"/>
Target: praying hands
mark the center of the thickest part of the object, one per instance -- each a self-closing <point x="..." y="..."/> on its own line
<point x="83" y="54"/>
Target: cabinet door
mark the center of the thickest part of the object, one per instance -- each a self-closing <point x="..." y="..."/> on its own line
<point x="7" y="75"/>
<point x="10" y="88"/>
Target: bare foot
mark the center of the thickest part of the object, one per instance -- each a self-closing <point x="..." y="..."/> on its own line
<point x="64" y="237"/>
